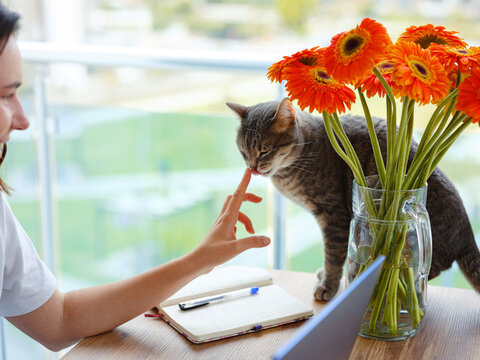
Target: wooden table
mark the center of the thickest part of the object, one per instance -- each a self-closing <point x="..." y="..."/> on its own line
<point x="450" y="330"/>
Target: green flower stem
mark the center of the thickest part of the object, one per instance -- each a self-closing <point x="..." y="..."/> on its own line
<point x="389" y="110"/>
<point x="446" y="145"/>
<point x="411" y="121"/>
<point x="434" y="120"/>
<point x="347" y="145"/>
<point x="401" y="150"/>
<point x="381" y="242"/>
<point x="401" y="289"/>
<point x="428" y="167"/>
<point x="394" y="310"/>
<point x="408" y="140"/>
<point x="391" y="303"/>
<point x="337" y="129"/>
<point x="390" y="285"/>
<point x="386" y="232"/>
<point x="391" y="129"/>
<point x="459" y="78"/>
<point x="428" y="140"/>
<point x="408" y="300"/>
<point x="390" y="229"/>
<point x="387" y="280"/>
<point x="391" y="132"/>
<point x="373" y="139"/>
<point x="441" y="126"/>
<point x="378" y="300"/>
<point x="399" y="306"/>
<point x="388" y="90"/>
<point x="375" y="292"/>
<point x="427" y="153"/>
<point x="333" y="140"/>
<point x="451" y="139"/>
<point x="413" y="297"/>
<point x="457" y="118"/>
<point x="449" y="111"/>
<point x="390" y="310"/>
<point x="334" y="129"/>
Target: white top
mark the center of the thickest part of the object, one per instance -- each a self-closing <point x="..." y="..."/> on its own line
<point x="25" y="281"/>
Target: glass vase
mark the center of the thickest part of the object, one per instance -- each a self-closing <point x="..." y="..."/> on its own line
<point x="395" y="224"/>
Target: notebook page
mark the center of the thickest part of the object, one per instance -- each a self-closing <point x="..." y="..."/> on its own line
<point x="220" y="280"/>
<point x="272" y="305"/>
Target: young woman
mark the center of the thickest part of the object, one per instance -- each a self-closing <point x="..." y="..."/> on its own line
<point x="28" y="295"/>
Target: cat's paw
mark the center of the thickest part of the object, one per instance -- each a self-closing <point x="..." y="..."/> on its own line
<point x="321" y="291"/>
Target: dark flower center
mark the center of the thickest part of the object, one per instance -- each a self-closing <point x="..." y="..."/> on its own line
<point x="386" y="66"/>
<point x="426" y="40"/>
<point x="323" y="75"/>
<point x="462" y="52"/>
<point x="353" y="44"/>
<point x="308" y="60"/>
<point x="420" y="69"/>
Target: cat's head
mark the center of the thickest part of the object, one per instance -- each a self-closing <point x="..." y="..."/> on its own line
<point x="267" y="136"/>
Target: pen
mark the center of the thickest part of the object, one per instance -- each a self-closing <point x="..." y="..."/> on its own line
<point x="189" y="305"/>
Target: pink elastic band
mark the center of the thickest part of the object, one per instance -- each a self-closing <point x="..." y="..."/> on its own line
<point x="153" y="315"/>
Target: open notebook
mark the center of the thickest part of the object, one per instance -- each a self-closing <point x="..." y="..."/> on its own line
<point x="270" y="306"/>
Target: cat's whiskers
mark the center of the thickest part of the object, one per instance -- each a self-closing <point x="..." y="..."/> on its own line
<point x="279" y="175"/>
<point x="301" y="167"/>
<point x="308" y="156"/>
<point x="305" y="143"/>
<point x="307" y="160"/>
<point x="312" y="153"/>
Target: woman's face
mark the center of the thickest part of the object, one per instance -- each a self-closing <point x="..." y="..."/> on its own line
<point x="12" y="116"/>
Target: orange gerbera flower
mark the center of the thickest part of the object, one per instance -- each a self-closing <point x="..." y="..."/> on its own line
<point x="418" y="74"/>
<point x="352" y="54"/>
<point x="468" y="100"/>
<point x="314" y="88"/>
<point x="428" y="34"/>
<point x="463" y="57"/>
<point x="307" y="56"/>
<point x="370" y="83"/>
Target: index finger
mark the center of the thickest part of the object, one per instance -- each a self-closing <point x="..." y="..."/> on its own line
<point x="237" y="197"/>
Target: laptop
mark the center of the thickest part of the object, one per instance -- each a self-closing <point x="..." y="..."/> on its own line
<point x="331" y="333"/>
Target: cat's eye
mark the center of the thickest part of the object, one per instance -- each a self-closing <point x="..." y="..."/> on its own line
<point x="264" y="150"/>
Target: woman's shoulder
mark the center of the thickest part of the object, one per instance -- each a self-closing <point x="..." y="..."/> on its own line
<point x="9" y="225"/>
<point x="5" y="209"/>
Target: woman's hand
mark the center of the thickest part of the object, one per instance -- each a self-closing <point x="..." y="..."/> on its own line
<point x="221" y="243"/>
<point x="65" y="318"/>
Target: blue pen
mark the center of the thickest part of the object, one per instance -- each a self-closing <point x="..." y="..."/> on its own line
<point x="189" y="305"/>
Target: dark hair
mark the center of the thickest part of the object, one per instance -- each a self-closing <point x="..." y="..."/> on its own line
<point x="9" y="25"/>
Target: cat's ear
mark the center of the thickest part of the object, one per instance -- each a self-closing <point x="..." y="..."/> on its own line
<point x="285" y="116"/>
<point x="239" y="109"/>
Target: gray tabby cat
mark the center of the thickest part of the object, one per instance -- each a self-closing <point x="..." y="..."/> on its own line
<point x="292" y="148"/>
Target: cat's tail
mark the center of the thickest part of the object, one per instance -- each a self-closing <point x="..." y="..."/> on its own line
<point x="468" y="259"/>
